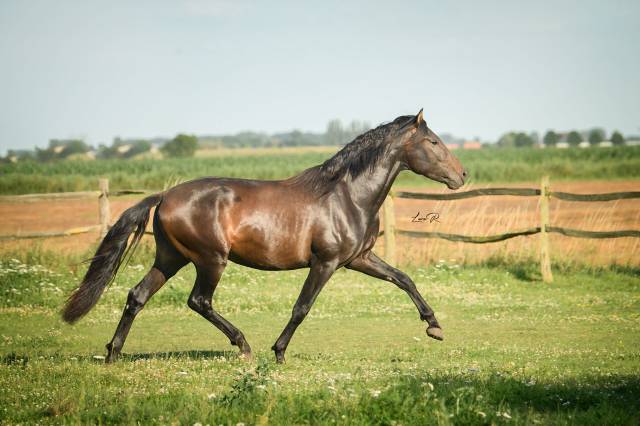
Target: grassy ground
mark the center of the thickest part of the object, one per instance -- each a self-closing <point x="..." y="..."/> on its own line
<point x="484" y="166"/>
<point x="515" y="350"/>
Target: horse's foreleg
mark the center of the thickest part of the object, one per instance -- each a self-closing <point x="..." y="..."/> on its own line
<point x="137" y="298"/>
<point x="317" y="278"/>
<point x="372" y="265"/>
<point x="200" y="301"/>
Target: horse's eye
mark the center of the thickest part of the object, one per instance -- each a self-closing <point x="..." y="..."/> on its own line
<point x="434" y="142"/>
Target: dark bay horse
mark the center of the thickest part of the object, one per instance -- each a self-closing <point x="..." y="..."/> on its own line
<point x="323" y="219"/>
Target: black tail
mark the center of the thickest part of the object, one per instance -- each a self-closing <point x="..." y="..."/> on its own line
<point x="109" y="257"/>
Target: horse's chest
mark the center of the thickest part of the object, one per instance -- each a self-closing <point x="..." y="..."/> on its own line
<point x="345" y="239"/>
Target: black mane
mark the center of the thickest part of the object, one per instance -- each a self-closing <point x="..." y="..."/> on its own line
<point x="358" y="156"/>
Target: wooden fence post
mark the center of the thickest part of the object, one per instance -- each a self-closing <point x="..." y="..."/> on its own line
<point x="545" y="257"/>
<point x="389" y="231"/>
<point x="105" y="211"/>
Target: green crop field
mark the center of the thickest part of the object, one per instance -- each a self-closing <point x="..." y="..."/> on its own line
<point x="485" y="166"/>
<point x="515" y="350"/>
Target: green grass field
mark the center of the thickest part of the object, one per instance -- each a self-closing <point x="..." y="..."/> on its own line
<point x="484" y="166"/>
<point x="515" y="350"/>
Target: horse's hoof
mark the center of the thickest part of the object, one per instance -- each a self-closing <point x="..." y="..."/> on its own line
<point x="435" y="333"/>
<point x="280" y="358"/>
<point x="246" y="356"/>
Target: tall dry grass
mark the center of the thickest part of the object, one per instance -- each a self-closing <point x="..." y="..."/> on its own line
<point x="491" y="215"/>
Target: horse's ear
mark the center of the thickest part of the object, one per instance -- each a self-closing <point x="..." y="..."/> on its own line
<point x="414" y="123"/>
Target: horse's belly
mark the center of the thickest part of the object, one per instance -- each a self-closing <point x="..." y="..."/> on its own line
<point x="270" y="250"/>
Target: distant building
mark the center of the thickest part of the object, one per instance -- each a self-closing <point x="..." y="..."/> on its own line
<point x="123" y="149"/>
<point x="472" y="145"/>
<point x="584" y="144"/>
<point x="562" y="145"/>
<point x="605" y="144"/>
<point x="452" y="146"/>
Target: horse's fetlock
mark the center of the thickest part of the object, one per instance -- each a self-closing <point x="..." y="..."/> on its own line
<point x="194" y="303"/>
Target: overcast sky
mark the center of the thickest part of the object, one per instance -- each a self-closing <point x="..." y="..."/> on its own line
<point x="100" y="69"/>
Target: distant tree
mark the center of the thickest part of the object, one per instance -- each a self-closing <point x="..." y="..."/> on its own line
<point x="21" y="154"/>
<point x="523" y="140"/>
<point x="515" y="139"/>
<point x="535" y="137"/>
<point x="551" y="138"/>
<point x="596" y="136"/>
<point x="62" y="148"/>
<point x="574" y="138"/>
<point x="54" y="143"/>
<point x="181" y="146"/>
<point x="296" y="138"/>
<point x="335" y="133"/>
<point x="45" y="154"/>
<point x="507" y="140"/>
<point x="617" y="138"/>
<point x="105" y="151"/>
<point x="74" y="146"/>
<point x="138" y="147"/>
<point x="245" y="140"/>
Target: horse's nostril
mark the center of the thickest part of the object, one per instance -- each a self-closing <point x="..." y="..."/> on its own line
<point x="464" y="173"/>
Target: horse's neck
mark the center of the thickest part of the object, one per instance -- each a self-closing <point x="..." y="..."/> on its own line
<point x="369" y="190"/>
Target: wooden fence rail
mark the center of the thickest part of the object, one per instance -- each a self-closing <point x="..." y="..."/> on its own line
<point x="467" y="194"/>
<point x="52" y="196"/>
<point x="507" y="235"/>
<point x="390" y="231"/>
<point x="525" y="192"/>
<point x="67" y="233"/>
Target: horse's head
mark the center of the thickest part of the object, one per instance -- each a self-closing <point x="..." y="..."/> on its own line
<point x="424" y="153"/>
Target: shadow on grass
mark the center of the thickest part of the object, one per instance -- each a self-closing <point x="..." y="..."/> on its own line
<point x="528" y="270"/>
<point x="23" y="359"/>
<point x="470" y="400"/>
<point x="193" y="355"/>
<point x="630" y="270"/>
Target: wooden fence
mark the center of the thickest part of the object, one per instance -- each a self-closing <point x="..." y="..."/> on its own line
<point x="104" y="209"/>
<point x="390" y="231"/>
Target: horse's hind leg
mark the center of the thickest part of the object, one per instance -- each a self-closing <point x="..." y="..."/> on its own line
<point x="137" y="298"/>
<point x="200" y="301"/>
<point x="166" y="265"/>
